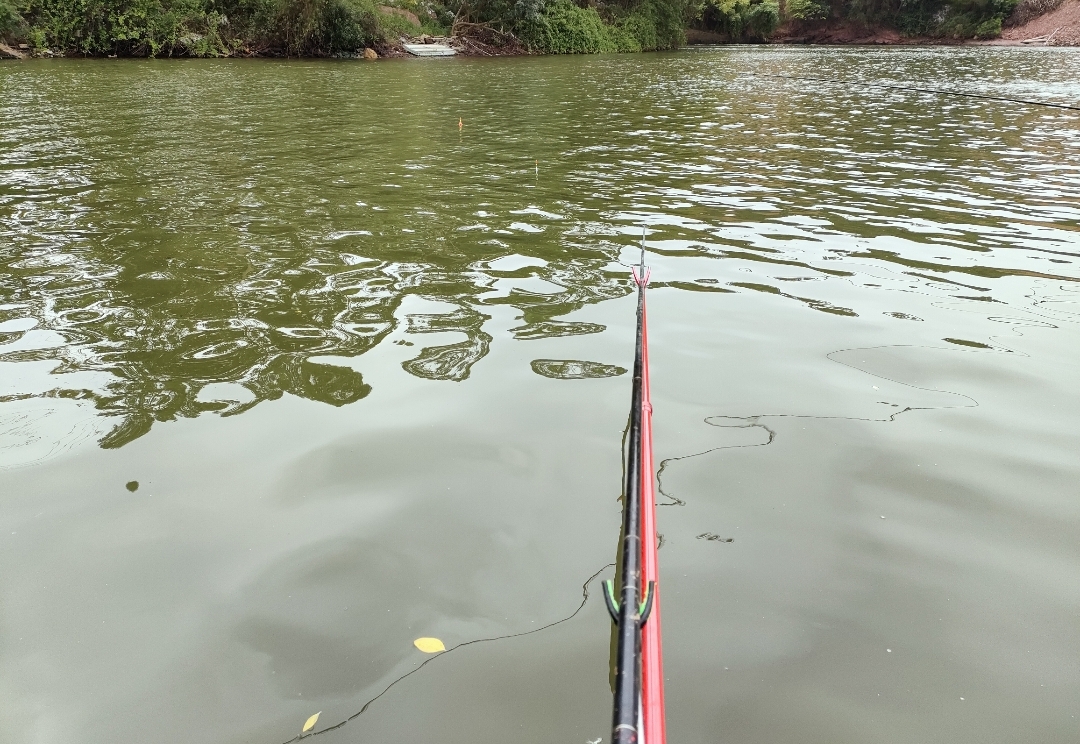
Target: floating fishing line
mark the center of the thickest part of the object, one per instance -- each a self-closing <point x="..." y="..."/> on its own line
<point x="414" y="670"/>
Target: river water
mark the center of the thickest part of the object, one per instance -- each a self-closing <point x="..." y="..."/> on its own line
<point x="294" y="370"/>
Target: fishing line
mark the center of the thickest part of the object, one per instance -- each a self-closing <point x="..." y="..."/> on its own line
<point x="751" y="422"/>
<point x="571" y="616"/>
<point x="938" y="91"/>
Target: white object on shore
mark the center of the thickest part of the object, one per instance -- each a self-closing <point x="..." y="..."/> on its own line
<point x="429" y="50"/>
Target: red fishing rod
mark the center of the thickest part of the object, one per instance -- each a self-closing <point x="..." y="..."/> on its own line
<point x="639" y="681"/>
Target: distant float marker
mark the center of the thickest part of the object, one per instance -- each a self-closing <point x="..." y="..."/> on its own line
<point x="310" y="723"/>
<point x="460" y="124"/>
<point x="429" y="645"/>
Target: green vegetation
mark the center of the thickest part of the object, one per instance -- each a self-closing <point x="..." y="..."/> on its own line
<point x="198" y="28"/>
<point x="956" y="19"/>
<point x="10" y="21"/>
<point x="952" y="19"/>
<point x="563" y="27"/>
<point x="395" y="26"/>
<point x="807" y="10"/>
<point x="739" y="19"/>
<point x="206" y="28"/>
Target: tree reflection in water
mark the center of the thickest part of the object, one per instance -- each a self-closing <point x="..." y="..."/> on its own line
<point x="167" y="327"/>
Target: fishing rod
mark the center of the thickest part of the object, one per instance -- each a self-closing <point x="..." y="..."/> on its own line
<point x="638" y="715"/>
<point x="938" y="91"/>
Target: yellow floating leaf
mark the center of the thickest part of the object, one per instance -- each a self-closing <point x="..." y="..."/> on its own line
<point x="310" y="723"/>
<point x="429" y="645"/>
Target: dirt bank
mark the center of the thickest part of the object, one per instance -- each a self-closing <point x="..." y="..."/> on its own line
<point x="1059" y="27"/>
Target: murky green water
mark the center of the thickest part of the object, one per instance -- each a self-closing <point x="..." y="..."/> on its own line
<point x="365" y="369"/>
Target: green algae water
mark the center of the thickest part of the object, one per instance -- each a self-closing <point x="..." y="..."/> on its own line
<point x="294" y="371"/>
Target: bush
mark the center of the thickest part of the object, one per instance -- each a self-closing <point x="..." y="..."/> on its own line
<point x="871" y="12"/>
<point x="10" y="20"/>
<point x="657" y="24"/>
<point x="807" y="10"/>
<point x="561" y="27"/>
<point x="956" y="19"/>
<point x="762" y="18"/>
<point x="989" y="29"/>
<point x="129" y="27"/>
<point x="327" y="27"/>
<point x="200" y="28"/>
<point x="203" y="28"/>
<point x="642" y="32"/>
<point x="435" y="27"/>
<point x="395" y="26"/>
<point x="755" y="19"/>
<point x="564" y="28"/>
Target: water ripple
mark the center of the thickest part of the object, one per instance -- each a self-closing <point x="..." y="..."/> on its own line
<point x="231" y="245"/>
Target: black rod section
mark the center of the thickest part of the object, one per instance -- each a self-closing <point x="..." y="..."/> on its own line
<point x="628" y="654"/>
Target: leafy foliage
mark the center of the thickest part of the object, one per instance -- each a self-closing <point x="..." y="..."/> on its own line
<point x="807" y="10"/>
<point x="10" y="20"/>
<point x="142" y="27"/>
<point x="957" y="19"/>
<point x="954" y="19"/>
<point x="205" y="28"/>
<point x="330" y="27"/>
<point x="564" y="28"/>
<point x="200" y="28"/>
<point x="657" y="24"/>
<point x="561" y="27"/>
<point x="394" y="26"/>
<point x="753" y="19"/>
<point x="327" y="26"/>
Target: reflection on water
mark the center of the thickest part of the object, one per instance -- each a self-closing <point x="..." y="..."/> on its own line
<point x="232" y="244"/>
<point x="881" y="286"/>
<point x="573" y="369"/>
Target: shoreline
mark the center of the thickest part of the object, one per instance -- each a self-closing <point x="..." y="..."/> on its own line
<point x="1042" y="31"/>
<point x="375" y="31"/>
<point x="10" y="54"/>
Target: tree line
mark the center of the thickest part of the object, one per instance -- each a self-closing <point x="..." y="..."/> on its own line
<point x="209" y="28"/>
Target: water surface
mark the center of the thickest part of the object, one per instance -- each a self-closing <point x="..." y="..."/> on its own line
<point x="293" y="371"/>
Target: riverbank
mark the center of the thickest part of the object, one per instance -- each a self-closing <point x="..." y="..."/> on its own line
<point x="1056" y="26"/>
<point x="336" y="28"/>
<point x="375" y="32"/>
<point x="1059" y="27"/>
<point x="491" y="44"/>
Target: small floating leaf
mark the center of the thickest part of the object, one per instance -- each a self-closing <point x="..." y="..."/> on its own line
<point x="310" y="723"/>
<point x="429" y="645"/>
